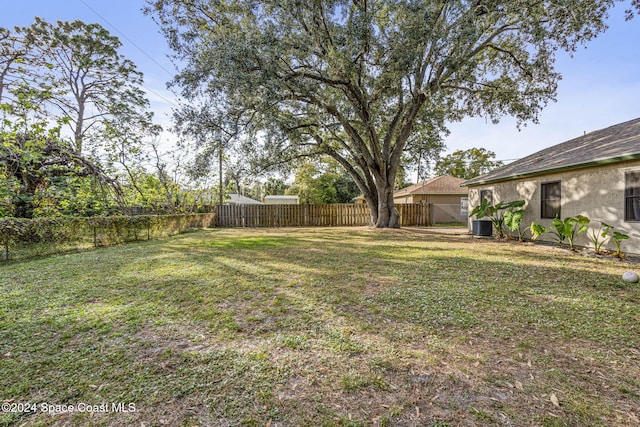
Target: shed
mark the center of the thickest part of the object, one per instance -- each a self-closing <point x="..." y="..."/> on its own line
<point x="281" y="200"/>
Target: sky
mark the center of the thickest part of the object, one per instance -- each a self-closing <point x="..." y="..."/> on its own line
<point x="600" y="85"/>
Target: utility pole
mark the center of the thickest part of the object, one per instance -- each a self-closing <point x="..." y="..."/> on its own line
<point x="220" y="167"/>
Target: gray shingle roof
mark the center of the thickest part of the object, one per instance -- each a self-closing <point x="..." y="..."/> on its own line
<point x="613" y="144"/>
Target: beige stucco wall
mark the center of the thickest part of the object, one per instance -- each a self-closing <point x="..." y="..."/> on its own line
<point x="446" y="207"/>
<point x="445" y="199"/>
<point x="407" y="199"/>
<point x="595" y="192"/>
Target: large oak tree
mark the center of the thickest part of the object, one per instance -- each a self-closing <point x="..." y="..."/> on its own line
<point x="355" y="79"/>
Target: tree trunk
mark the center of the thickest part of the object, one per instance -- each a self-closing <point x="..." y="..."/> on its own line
<point x="77" y="132"/>
<point x="387" y="213"/>
<point x="373" y="208"/>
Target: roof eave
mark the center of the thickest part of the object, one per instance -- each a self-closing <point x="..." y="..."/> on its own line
<point x="601" y="162"/>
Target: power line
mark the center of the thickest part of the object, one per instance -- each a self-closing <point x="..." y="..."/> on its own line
<point x="127" y="38"/>
<point x="137" y="47"/>
<point x="160" y="96"/>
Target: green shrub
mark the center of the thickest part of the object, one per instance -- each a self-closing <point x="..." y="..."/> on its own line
<point x="41" y="236"/>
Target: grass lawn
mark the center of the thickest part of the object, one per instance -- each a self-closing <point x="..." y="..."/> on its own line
<point x="331" y="327"/>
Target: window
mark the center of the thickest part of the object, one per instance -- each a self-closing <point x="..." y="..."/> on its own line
<point x="486" y="194"/>
<point x="464" y="206"/>
<point x="550" y="200"/>
<point x="632" y="196"/>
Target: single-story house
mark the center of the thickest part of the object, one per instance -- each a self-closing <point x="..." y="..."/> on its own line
<point x="596" y="175"/>
<point x="441" y="190"/>
<point x="448" y="198"/>
<point x="239" y="199"/>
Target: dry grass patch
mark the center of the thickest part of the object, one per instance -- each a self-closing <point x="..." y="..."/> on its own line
<point x="332" y="327"/>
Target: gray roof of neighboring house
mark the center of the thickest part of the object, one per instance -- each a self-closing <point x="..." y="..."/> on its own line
<point x="613" y="144"/>
<point x="239" y="199"/>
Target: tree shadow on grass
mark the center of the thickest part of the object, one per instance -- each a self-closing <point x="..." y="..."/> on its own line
<point x="297" y="326"/>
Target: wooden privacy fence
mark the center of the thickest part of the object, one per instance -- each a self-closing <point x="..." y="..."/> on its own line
<point x="418" y="214"/>
<point x="313" y="215"/>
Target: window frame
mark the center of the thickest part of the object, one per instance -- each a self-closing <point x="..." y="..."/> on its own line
<point x="486" y="192"/>
<point x="628" y="198"/>
<point x="545" y="199"/>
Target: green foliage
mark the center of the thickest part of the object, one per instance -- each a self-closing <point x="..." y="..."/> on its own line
<point x="513" y="221"/>
<point x="346" y="188"/>
<point x="617" y="237"/>
<point x="67" y="75"/>
<point x="50" y="235"/>
<point x="537" y="230"/>
<point x="500" y="210"/>
<point x="306" y="185"/>
<point x="157" y="195"/>
<point x="355" y="80"/>
<point x="43" y="176"/>
<point x="482" y="210"/>
<point x="467" y="164"/>
<point x="274" y="187"/>
<point x="94" y="87"/>
<point x="600" y="236"/>
<point x="14" y="56"/>
<point x="314" y="186"/>
<point x="565" y="229"/>
<point x="422" y="152"/>
<point x="568" y="228"/>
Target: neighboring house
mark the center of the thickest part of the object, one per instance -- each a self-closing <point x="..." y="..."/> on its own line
<point x="281" y="200"/>
<point x="238" y="199"/>
<point x="448" y="198"/>
<point x="441" y="189"/>
<point x="596" y="175"/>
